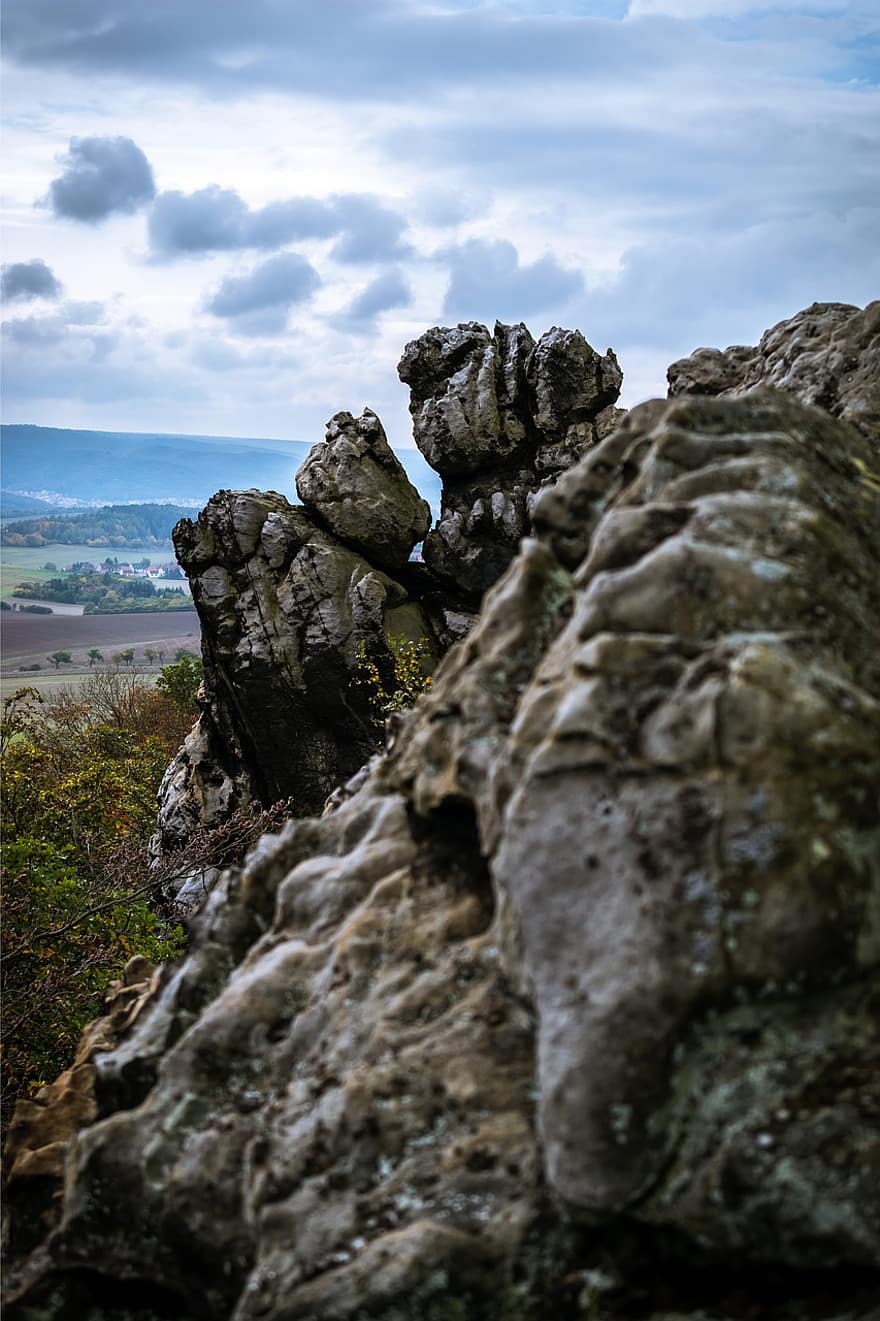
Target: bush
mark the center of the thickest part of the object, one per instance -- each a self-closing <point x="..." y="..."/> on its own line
<point x="180" y="682"/>
<point x="81" y="772"/>
<point x="395" y="689"/>
<point x="66" y="933"/>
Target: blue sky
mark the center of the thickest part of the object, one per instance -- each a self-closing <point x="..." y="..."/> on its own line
<point x="229" y="217"/>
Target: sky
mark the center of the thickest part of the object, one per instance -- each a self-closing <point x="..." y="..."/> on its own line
<point x="229" y="218"/>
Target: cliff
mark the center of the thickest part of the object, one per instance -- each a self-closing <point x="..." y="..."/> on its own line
<point x="567" y="1006"/>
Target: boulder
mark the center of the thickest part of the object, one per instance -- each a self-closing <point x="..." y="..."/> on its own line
<point x="288" y="613"/>
<point x="355" y="486"/>
<point x="568" y="1005"/>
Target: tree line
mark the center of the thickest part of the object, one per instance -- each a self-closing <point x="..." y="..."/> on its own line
<point x="112" y="525"/>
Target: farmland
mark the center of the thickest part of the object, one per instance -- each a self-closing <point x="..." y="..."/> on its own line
<point x="30" y="639"/>
<point x="25" y="563"/>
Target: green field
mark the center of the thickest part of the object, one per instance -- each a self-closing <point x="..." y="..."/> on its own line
<point x="25" y="563"/>
<point x="13" y="574"/>
<point x="34" y="557"/>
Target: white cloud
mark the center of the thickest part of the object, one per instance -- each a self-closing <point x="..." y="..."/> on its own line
<point x="677" y="172"/>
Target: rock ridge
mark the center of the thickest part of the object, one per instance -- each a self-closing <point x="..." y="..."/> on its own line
<point x="569" y="1001"/>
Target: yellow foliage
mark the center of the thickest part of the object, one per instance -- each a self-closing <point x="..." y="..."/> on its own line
<point x="409" y="678"/>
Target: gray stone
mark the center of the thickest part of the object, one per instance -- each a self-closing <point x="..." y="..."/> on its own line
<point x="499" y="416"/>
<point x="576" y="986"/>
<point x="827" y="355"/>
<point x="287" y="615"/>
<point x="355" y="485"/>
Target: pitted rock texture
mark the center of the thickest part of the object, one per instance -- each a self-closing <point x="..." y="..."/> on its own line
<point x="827" y="355"/>
<point x="356" y="486"/>
<point x="591" y="953"/>
<point x="498" y="416"/>
<point x="38" y="1137"/>
<point x="287" y="613"/>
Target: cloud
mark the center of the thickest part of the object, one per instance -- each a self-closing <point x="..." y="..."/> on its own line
<point x="382" y="51"/>
<point x="218" y="219"/>
<point x="55" y="325"/>
<point x="25" y="280"/>
<point x="669" y="291"/>
<point x="258" y="303"/>
<point x="488" y="281"/>
<point x="388" y="290"/>
<point x="102" y="176"/>
<point x="370" y="231"/>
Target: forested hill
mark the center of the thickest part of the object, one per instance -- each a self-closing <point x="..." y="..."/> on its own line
<point x="113" y="526"/>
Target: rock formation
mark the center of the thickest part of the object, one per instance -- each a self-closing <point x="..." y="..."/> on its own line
<point x="288" y="606"/>
<point x="827" y="355"/>
<point x="570" y="1006"/>
<point x="498" y="416"/>
<point x="292" y="597"/>
<point x="355" y="485"/>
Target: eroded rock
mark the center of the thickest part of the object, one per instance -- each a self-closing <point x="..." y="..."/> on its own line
<point x="287" y="614"/>
<point x="569" y="1000"/>
<point x="498" y="416"/>
<point x="356" y="486"/>
<point x="827" y="355"/>
<point x="595" y="943"/>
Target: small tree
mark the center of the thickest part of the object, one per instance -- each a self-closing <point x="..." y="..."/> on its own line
<point x="94" y="656"/>
<point x="180" y="682"/>
<point x="128" y="656"/>
<point x="150" y="653"/>
<point x="59" y="658"/>
<point x="50" y="567"/>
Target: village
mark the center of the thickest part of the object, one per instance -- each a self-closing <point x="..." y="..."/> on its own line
<point x="143" y="569"/>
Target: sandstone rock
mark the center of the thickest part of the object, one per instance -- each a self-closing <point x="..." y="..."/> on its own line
<point x="568" y="1004"/>
<point x="588" y="960"/>
<point x="41" y="1128"/>
<point x="287" y="612"/>
<point x="498" y="416"/>
<point x="355" y="485"/>
<point x="827" y="355"/>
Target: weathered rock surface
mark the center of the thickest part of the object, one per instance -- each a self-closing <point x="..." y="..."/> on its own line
<point x="287" y="612"/>
<point x="290" y="598"/>
<point x="575" y="993"/>
<point x="498" y="416"/>
<point x="827" y="355"/>
<point x="356" y="486"/>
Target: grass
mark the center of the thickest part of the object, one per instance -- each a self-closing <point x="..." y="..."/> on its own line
<point x="49" y="681"/>
<point x="34" y="557"/>
<point x="13" y="574"/>
<point x="25" y="563"/>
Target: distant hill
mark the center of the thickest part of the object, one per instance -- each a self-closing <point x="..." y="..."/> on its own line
<point x="111" y="527"/>
<point x="13" y="505"/>
<point x="113" y="467"/>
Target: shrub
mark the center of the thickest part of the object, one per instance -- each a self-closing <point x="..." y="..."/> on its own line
<point x="397" y="689"/>
<point x="81" y="772"/>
